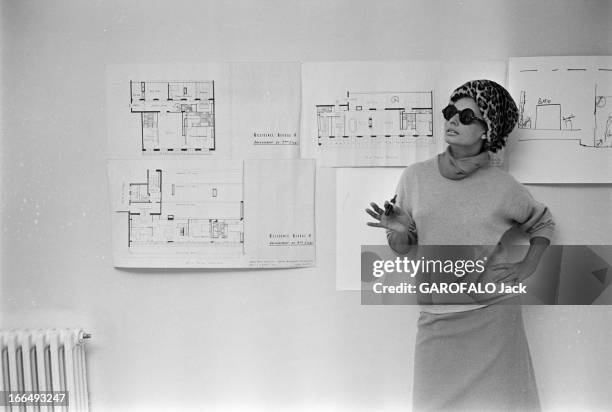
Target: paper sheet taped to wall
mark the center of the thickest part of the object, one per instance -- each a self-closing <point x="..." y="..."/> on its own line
<point x="190" y="213"/>
<point x="355" y="189"/>
<point x="564" y="132"/>
<point x="210" y="110"/>
<point x="380" y="113"/>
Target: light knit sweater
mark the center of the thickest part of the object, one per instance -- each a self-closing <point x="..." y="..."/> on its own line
<point x="476" y="210"/>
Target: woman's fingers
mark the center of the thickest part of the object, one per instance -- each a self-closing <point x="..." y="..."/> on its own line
<point x="373" y="214"/>
<point x="375" y="224"/>
<point x="376" y="208"/>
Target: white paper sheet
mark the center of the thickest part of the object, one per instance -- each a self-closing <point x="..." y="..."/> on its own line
<point x="212" y="110"/>
<point x="355" y="189"/>
<point x="380" y="113"/>
<point x="194" y="213"/>
<point x="168" y="110"/>
<point x="564" y="133"/>
<point x="265" y="110"/>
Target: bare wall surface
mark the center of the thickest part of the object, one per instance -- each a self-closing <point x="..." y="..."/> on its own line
<point x="267" y="339"/>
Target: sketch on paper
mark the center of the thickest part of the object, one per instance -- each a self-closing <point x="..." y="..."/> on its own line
<point x="603" y="120"/>
<point x="548" y="115"/>
<point x="375" y="118"/>
<point x="565" y="116"/>
<point x="544" y="114"/>
<point x="175" y="116"/>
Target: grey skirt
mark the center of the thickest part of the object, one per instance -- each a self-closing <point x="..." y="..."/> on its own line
<point x="476" y="360"/>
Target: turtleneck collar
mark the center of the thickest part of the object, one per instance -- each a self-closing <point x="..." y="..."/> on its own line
<point x="457" y="169"/>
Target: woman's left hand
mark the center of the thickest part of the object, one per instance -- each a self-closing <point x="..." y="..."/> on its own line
<point x="507" y="272"/>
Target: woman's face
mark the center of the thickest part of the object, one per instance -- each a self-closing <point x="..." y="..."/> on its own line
<point x="465" y="135"/>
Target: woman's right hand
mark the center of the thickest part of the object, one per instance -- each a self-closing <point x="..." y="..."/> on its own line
<point x="398" y="220"/>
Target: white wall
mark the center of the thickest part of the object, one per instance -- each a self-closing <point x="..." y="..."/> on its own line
<point x="269" y="339"/>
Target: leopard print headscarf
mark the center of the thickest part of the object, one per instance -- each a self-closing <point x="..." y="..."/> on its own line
<point x="497" y="106"/>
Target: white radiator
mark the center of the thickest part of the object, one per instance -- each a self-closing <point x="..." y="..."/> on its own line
<point x="45" y="361"/>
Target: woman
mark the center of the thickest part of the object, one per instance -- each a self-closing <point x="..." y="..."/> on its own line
<point x="470" y="357"/>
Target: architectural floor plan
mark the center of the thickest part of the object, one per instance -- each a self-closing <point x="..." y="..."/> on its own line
<point x="375" y="117"/>
<point x="175" y="116"/>
<point x="369" y="114"/>
<point x="374" y="128"/>
<point x="212" y="213"/>
<point x="175" y="211"/>
<point x="213" y="110"/>
<point x="165" y="210"/>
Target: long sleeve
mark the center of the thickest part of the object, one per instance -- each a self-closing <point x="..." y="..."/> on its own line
<point x="531" y="216"/>
<point x="400" y="241"/>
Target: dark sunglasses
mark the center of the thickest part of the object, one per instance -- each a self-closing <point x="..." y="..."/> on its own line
<point x="466" y="116"/>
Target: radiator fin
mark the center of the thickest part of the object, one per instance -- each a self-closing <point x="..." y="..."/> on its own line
<point x="45" y="360"/>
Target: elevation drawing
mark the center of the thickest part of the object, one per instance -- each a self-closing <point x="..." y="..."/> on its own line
<point x="603" y="120"/>
<point x="564" y="132"/>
